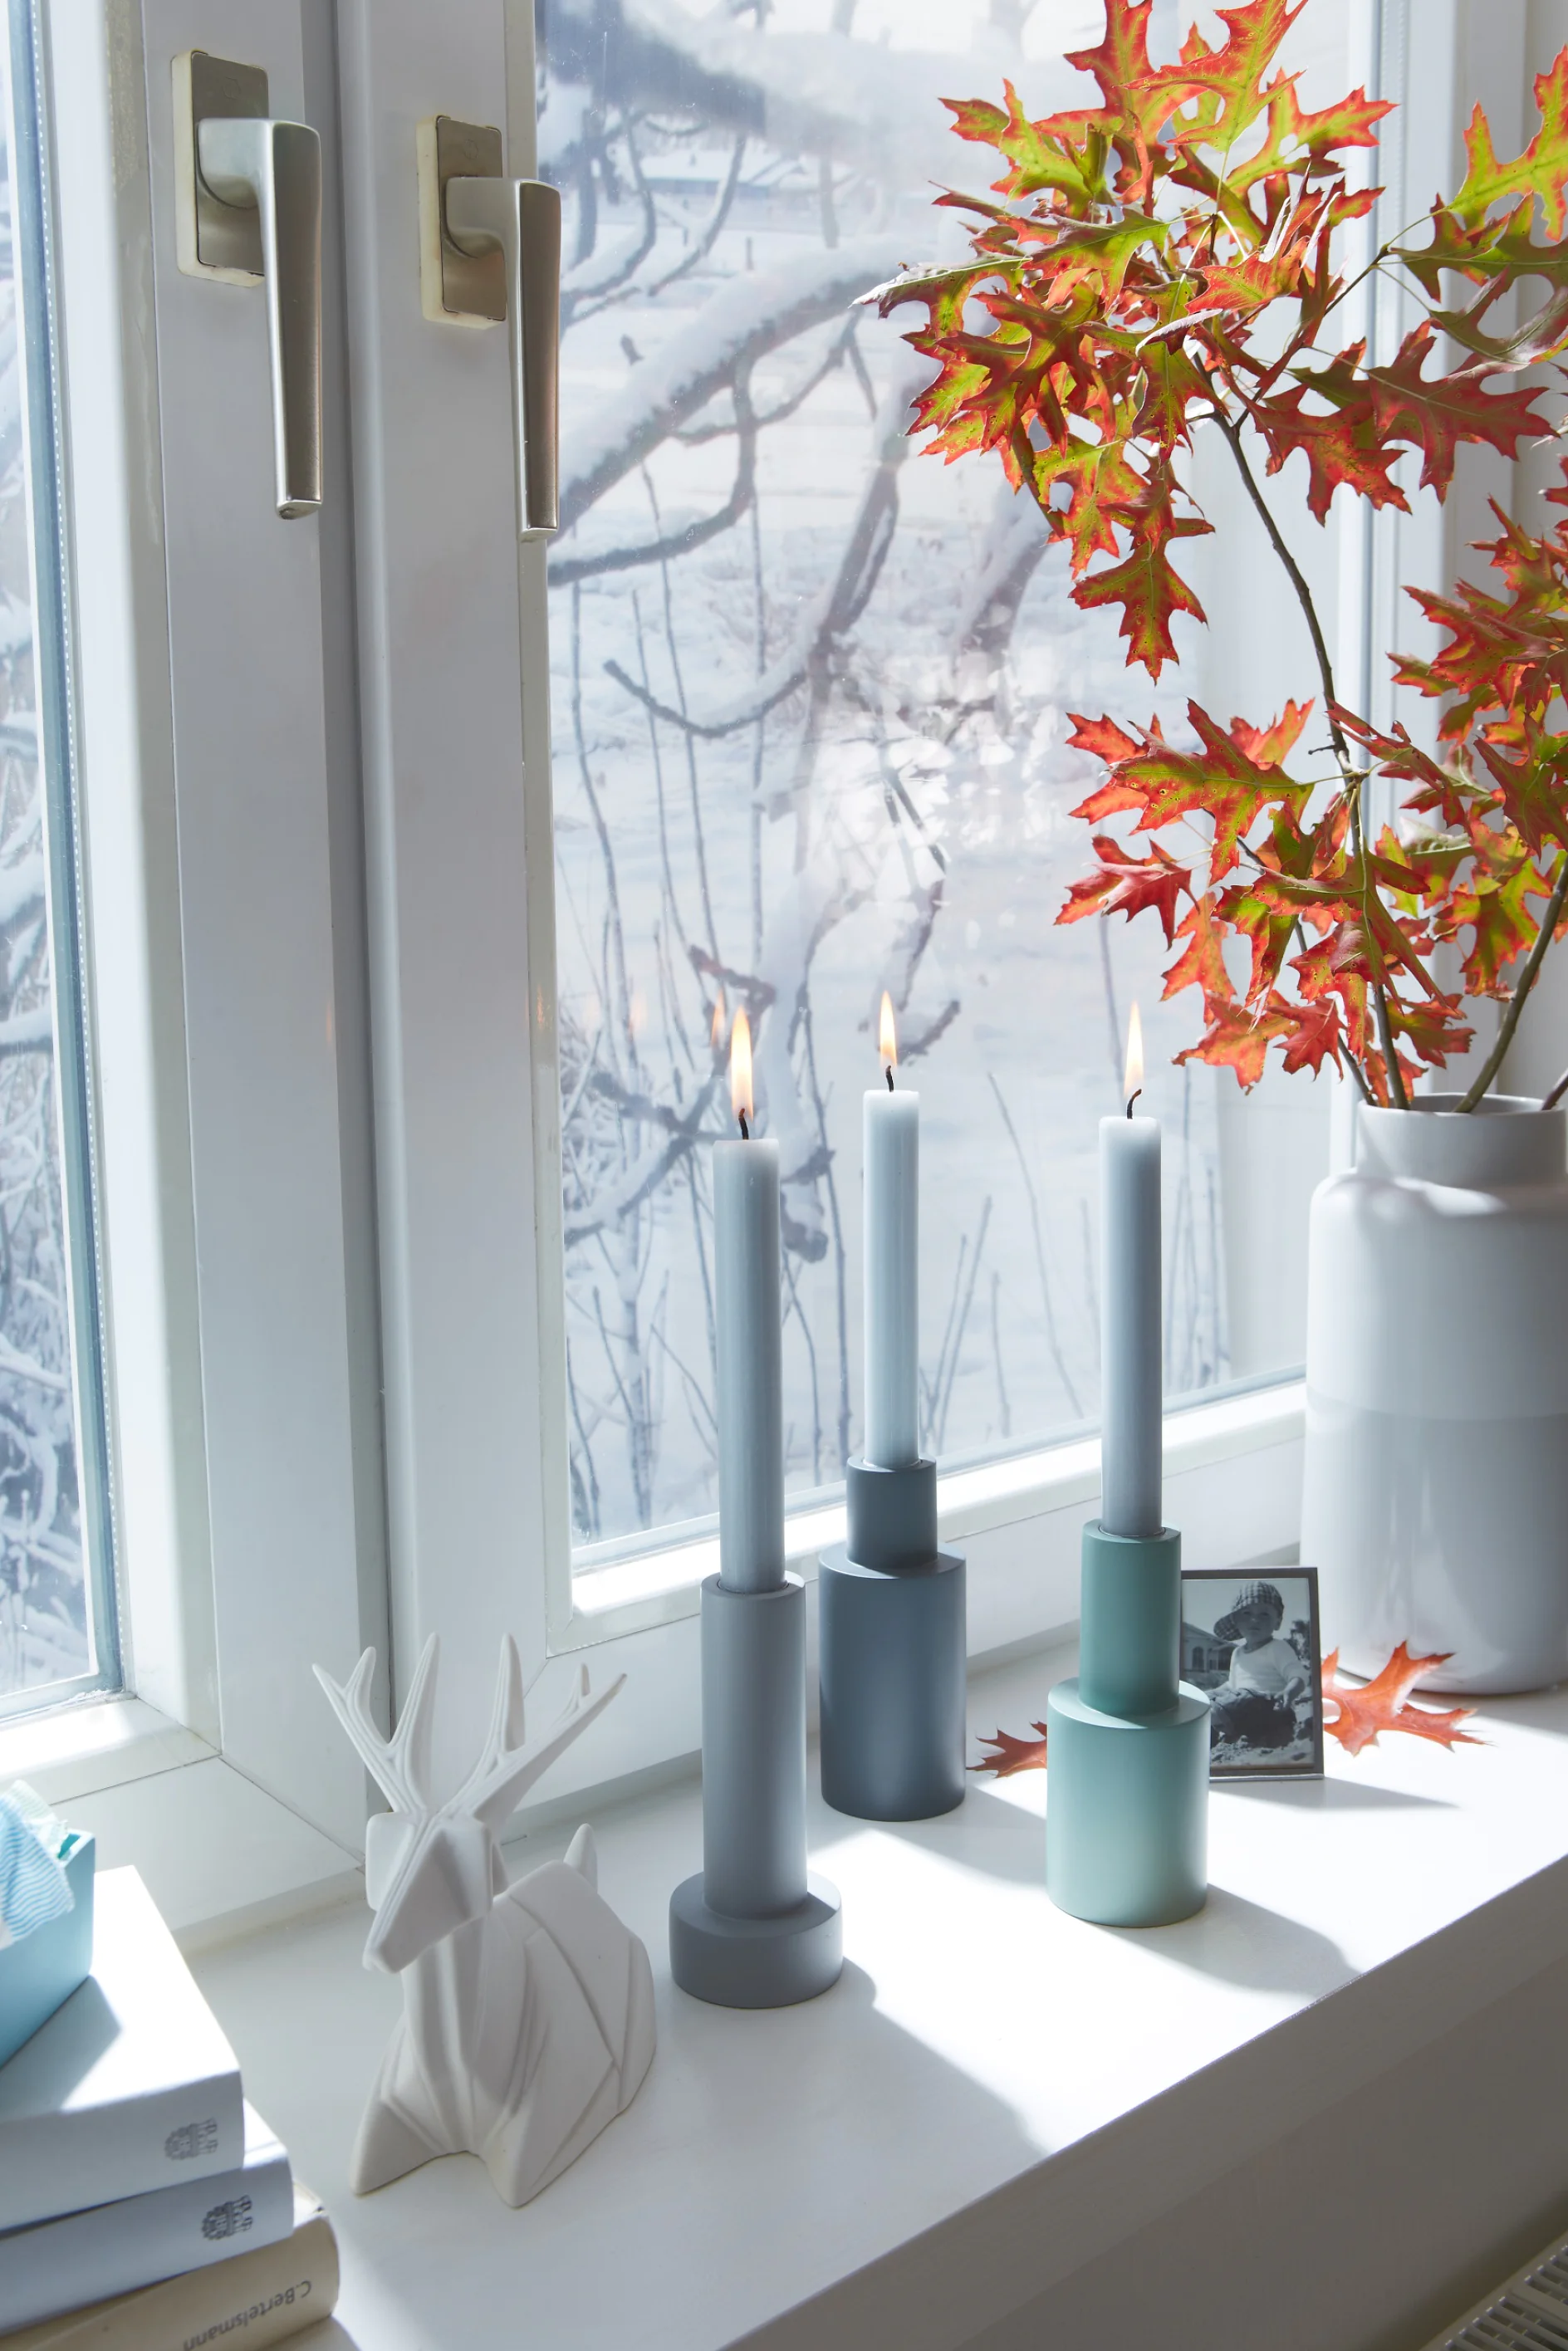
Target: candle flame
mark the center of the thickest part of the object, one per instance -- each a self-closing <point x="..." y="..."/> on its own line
<point x="1133" y="1080"/>
<point x="887" y="1032"/>
<point x="740" y="1067"/>
<point x="715" y="1033"/>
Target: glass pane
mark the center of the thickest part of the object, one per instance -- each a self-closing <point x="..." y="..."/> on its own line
<point x="57" y="1633"/>
<point x="810" y="693"/>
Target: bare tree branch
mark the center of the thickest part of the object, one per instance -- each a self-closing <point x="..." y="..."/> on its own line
<point x="744" y="318"/>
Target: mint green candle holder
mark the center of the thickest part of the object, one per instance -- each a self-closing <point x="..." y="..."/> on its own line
<point x="1126" y="1830"/>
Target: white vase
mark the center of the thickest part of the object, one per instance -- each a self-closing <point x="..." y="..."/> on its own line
<point x="1436" y="1495"/>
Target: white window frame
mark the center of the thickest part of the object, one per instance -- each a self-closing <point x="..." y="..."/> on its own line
<point x="219" y="798"/>
<point x="458" y="1317"/>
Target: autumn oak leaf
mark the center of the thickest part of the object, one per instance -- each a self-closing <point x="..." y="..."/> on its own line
<point x="1359" y="1714"/>
<point x="1012" y="1754"/>
<point x="1437" y="415"/>
<point x="1127" y="884"/>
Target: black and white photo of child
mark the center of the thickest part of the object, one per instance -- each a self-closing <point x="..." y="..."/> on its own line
<point x="1251" y="1642"/>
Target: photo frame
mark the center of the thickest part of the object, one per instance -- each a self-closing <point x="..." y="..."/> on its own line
<point x="1268" y="1706"/>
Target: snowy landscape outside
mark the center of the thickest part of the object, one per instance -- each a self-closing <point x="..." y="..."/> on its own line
<point x="44" y="1635"/>
<point x="809" y="694"/>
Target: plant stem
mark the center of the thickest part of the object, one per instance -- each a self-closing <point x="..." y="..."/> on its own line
<point x="1230" y="427"/>
<point x="1534" y="961"/>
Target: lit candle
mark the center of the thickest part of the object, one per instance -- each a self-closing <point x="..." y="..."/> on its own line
<point x="1130" y="1349"/>
<point x="891" y="1229"/>
<point x="750" y="1373"/>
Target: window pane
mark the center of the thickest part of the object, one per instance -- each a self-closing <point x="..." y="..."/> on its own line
<point x="56" y="1631"/>
<point x="811" y="693"/>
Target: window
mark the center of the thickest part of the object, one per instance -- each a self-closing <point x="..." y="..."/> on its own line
<point x="408" y="1295"/>
<point x="811" y="696"/>
<point x="58" y="1627"/>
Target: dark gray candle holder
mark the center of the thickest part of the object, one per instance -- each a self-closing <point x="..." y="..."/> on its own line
<point x="752" y="1928"/>
<point x="892" y="1626"/>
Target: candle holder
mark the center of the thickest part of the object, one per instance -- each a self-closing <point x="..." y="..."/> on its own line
<point x="1127" y="1779"/>
<point x="752" y="1928"/>
<point x="891" y="1629"/>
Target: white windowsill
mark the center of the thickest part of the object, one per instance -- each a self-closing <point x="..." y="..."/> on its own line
<point x="72" y="1750"/>
<point x="222" y="1856"/>
<point x="658" y="1587"/>
<point x="1340" y="2083"/>
<point x="222" y="1853"/>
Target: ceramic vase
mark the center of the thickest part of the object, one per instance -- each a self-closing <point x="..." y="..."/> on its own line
<point x="1436" y="1494"/>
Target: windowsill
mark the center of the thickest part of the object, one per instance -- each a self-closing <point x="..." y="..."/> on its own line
<point x="66" y="1751"/>
<point x="658" y="1587"/>
<point x="221" y="1856"/>
<point x="998" y="2101"/>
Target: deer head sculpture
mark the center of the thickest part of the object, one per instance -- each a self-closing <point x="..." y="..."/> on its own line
<point x="528" y="2019"/>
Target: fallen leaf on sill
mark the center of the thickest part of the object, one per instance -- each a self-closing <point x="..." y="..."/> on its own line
<point x="1360" y="1713"/>
<point x="1013" y="1754"/>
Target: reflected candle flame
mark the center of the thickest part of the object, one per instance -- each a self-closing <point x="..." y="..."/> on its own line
<point x="716" y="1032"/>
<point x="1133" y="1081"/>
<point x="887" y="1033"/>
<point x="740" y="1070"/>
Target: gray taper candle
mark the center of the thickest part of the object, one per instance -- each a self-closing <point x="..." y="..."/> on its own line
<point x="1130" y="1435"/>
<point x="750" y="1389"/>
<point x="752" y="1929"/>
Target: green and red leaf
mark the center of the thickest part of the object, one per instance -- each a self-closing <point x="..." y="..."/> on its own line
<point x="1121" y="884"/>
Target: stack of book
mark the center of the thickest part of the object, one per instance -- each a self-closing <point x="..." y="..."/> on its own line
<point x="143" y="2205"/>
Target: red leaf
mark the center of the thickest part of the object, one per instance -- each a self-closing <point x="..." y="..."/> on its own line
<point x="1316" y="1038"/>
<point x="1541" y="171"/>
<point x="1012" y="1754"/>
<point x="1238" y="1038"/>
<point x="1103" y="736"/>
<point x="1266" y="745"/>
<point x="1201" y="963"/>
<point x="1144" y="584"/>
<point x="1436" y="417"/>
<point x="1360" y="1713"/>
<point x="1126" y="885"/>
<point x="1344" y="446"/>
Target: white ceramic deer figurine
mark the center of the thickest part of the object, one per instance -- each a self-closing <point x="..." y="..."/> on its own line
<point x="528" y="2019"/>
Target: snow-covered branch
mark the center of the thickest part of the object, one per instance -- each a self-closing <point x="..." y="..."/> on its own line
<point x="729" y="334"/>
<point x="566" y="568"/>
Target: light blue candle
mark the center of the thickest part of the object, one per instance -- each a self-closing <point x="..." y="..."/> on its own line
<point x="890" y="1241"/>
<point x="1131" y="1384"/>
<point x="750" y="1368"/>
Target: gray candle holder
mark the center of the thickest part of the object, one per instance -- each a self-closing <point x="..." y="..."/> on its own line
<point x="892" y="1626"/>
<point x="753" y="1928"/>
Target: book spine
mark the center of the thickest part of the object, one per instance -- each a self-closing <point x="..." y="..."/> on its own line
<point x="252" y="2299"/>
<point x="61" y="2264"/>
<point x="100" y="2153"/>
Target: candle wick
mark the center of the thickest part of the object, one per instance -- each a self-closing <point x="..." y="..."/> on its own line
<point x="1132" y="1098"/>
<point x="890" y="1077"/>
<point x="745" y="1131"/>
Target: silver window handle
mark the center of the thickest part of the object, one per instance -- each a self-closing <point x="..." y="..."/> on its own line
<point x="274" y="169"/>
<point x="521" y="220"/>
<point x="248" y="211"/>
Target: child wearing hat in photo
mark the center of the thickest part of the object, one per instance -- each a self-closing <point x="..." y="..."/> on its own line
<point x="1267" y="1677"/>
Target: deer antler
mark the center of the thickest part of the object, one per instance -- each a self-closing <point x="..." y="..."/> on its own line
<point x="399" y="1765"/>
<point x="508" y="1764"/>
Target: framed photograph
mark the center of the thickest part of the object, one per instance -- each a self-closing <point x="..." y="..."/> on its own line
<point x="1249" y="1638"/>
